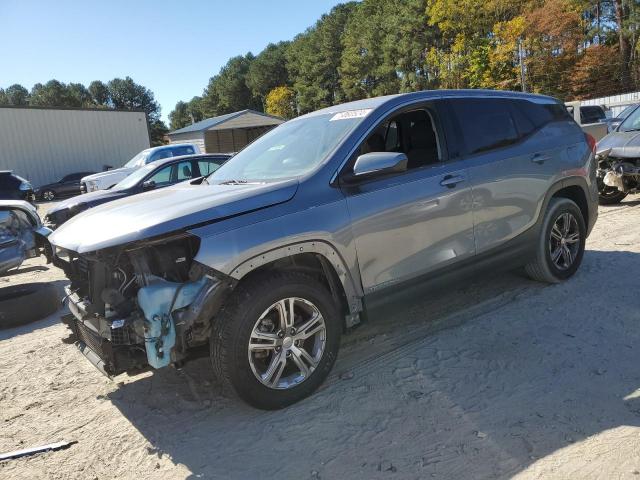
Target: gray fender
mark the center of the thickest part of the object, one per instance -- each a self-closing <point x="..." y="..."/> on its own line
<point x="590" y="192"/>
<point x="317" y="247"/>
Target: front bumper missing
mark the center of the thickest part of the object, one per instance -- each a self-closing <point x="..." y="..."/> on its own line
<point x="108" y="357"/>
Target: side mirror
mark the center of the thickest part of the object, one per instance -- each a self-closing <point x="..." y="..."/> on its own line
<point x="376" y="164"/>
<point x="149" y="185"/>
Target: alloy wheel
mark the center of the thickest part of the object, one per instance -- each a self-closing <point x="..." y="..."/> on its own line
<point x="287" y="343"/>
<point x="564" y="241"/>
<point x="48" y="195"/>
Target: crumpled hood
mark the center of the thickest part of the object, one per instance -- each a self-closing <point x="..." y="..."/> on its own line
<point x="90" y="199"/>
<point x="622" y="144"/>
<point x="114" y="172"/>
<point x="163" y="211"/>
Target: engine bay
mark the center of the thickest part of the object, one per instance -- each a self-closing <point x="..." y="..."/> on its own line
<point x="149" y="301"/>
<point x="622" y="174"/>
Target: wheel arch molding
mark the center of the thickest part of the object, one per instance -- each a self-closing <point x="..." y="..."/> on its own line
<point x="330" y="262"/>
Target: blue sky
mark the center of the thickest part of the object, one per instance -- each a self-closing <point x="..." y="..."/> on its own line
<point x="171" y="47"/>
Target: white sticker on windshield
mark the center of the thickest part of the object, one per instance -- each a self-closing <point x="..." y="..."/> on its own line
<point x="276" y="147"/>
<point x="351" y="114"/>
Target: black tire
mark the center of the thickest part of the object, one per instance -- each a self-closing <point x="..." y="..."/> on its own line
<point x="610" y="196"/>
<point x="235" y="323"/>
<point x="48" y="195"/>
<point x="22" y="304"/>
<point x="542" y="268"/>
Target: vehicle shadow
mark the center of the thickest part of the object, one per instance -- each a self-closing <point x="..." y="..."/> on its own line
<point x="481" y="381"/>
<point x="35" y="268"/>
<point x="624" y="203"/>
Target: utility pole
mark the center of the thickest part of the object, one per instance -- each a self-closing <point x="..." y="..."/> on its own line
<point x="521" y="61"/>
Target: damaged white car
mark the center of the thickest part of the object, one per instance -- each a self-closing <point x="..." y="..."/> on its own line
<point x="22" y="234"/>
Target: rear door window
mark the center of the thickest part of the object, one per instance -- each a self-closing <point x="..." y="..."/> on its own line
<point x="185" y="171"/>
<point x="522" y="114"/>
<point x="209" y="166"/>
<point x="486" y="123"/>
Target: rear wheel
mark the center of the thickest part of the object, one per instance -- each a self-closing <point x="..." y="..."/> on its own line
<point x="276" y="339"/>
<point x="561" y="244"/>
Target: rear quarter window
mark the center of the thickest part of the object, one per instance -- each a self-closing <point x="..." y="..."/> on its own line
<point x="531" y="116"/>
<point x="209" y="166"/>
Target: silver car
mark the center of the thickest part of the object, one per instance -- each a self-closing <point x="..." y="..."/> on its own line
<point x="274" y="256"/>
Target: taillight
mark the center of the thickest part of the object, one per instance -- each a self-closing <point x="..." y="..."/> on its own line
<point x="591" y="142"/>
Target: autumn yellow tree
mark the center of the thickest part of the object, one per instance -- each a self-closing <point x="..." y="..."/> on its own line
<point x="553" y="36"/>
<point x="281" y="102"/>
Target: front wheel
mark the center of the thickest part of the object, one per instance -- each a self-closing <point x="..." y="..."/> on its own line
<point x="561" y="243"/>
<point x="276" y="339"/>
<point x="48" y="195"/>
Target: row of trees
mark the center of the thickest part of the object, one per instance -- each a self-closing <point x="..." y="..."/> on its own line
<point x="118" y="93"/>
<point x="566" y="48"/>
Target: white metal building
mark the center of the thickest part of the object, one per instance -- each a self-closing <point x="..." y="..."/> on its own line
<point x="616" y="103"/>
<point x="227" y="133"/>
<point x="44" y="144"/>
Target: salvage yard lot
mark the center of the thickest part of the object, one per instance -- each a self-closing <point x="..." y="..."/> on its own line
<point x="495" y="379"/>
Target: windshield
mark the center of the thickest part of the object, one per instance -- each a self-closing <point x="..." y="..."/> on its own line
<point x="133" y="179"/>
<point x="290" y="150"/>
<point x="627" y="111"/>
<point x="138" y="160"/>
<point x="632" y="122"/>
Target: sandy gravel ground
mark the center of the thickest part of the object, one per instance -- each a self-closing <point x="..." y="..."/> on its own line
<point x="500" y="378"/>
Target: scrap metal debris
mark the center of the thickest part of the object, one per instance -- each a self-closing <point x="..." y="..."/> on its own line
<point x="33" y="450"/>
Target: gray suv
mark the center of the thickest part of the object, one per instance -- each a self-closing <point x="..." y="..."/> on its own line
<point x="271" y="258"/>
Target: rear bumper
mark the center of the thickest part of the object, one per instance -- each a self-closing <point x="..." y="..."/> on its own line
<point x="110" y="350"/>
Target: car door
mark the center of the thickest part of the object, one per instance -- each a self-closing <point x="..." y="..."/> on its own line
<point x="512" y="159"/>
<point x="69" y="185"/>
<point x="408" y="224"/>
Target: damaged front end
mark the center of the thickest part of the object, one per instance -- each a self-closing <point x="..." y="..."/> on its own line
<point x="144" y="304"/>
<point x="617" y="170"/>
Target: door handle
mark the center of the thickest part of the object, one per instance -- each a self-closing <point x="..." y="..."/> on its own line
<point x="451" y="181"/>
<point x="540" y="158"/>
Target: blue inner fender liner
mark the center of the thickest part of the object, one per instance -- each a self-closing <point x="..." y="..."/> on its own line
<point x="158" y="300"/>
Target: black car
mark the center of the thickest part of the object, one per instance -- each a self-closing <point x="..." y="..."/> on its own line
<point x="14" y="187"/>
<point x="161" y="173"/>
<point x="68" y="186"/>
